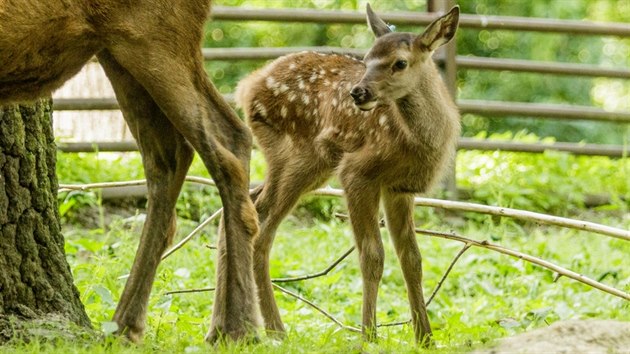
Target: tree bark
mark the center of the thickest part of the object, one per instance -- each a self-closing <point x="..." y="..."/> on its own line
<point x="35" y="279"/>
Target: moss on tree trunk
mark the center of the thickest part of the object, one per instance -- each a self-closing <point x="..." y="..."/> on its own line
<point x="35" y="279"/>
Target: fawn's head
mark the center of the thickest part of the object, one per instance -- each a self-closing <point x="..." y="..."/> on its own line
<point x="395" y="61"/>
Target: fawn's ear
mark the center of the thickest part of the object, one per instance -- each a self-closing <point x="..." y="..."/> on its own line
<point x="439" y="32"/>
<point x="378" y="26"/>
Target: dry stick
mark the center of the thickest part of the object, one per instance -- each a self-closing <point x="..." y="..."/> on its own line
<point x="331" y="317"/>
<point x="101" y="185"/>
<point x="194" y="232"/>
<point x="531" y="259"/>
<point x="436" y="203"/>
<point x="319" y="274"/>
<point x="513" y="213"/>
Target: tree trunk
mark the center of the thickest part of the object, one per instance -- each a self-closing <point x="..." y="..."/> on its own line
<point x="35" y="279"/>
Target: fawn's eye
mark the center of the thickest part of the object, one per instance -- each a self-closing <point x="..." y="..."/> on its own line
<point x="400" y="65"/>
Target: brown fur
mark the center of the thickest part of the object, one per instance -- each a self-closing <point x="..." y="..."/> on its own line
<point x="150" y="51"/>
<point x="307" y="125"/>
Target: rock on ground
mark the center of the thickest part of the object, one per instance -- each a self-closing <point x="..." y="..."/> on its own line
<point x="570" y="337"/>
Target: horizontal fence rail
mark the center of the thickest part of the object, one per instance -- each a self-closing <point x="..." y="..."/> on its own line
<point x="464" y="144"/>
<point x="478" y="107"/>
<point x="481" y="107"/>
<point x="465" y="62"/>
<point x="414" y="18"/>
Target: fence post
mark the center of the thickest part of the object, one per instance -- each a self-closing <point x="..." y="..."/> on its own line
<point x="447" y="54"/>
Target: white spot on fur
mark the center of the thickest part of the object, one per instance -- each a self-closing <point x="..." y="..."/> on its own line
<point x="292" y="66"/>
<point x="313" y="78"/>
<point x="292" y="97"/>
<point x="270" y="82"/>
<point x="306" y="99"/>
<point x="301" y="84"/>
<point x="334" y="102"/>
<point x="382" y="120"/>
<point x="260" y="109"/>
<point x="284" y="88"/>
<point x="283" y="111"/>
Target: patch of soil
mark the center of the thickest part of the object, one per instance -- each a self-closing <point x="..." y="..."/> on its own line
<point x="89" y="217"/>
<point x="570" y="337"/>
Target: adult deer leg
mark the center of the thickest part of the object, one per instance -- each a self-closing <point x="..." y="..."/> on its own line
<point x="363" y="202"/>
<point x="179" y="85"/>
<point x="166" y="157"/>
<point x="399" y="215"/>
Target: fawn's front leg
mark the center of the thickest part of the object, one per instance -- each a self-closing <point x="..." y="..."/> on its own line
<point x="363" y="200"/>
<point x="399" y="215"/>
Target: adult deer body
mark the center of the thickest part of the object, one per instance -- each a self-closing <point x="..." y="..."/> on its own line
<point x="150" y="50"/>
<point x="386" y="125"/>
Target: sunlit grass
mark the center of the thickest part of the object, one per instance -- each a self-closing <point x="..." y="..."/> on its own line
<point x="487" y="295"/>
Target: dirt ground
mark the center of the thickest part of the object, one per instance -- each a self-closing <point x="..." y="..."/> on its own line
<point x="570" y="337"/>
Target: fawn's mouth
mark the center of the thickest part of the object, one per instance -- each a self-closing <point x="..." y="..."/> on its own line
<point x="366" y="106"/>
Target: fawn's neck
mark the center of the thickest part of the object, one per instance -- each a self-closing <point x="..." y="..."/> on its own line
<point x="428" y="111"/>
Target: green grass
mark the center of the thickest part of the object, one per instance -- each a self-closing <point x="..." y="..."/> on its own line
<point x="487" y="295"/>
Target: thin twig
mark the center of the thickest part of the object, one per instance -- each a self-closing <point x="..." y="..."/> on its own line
<point x="187" y="291"/>
<point x="331" y="317"/>
<point x="448" y="270"/>
<point x="315" y="275"/>
<point x="392" y="324"/>
<point x="535" y="260"/>
<point x="198" y="229"/>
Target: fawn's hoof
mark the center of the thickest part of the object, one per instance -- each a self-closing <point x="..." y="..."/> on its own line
<point x="133" y="335"/>
<point x="218" y="336"/>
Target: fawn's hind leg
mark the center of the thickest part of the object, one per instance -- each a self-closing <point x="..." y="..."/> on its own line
<point x="291" y="173"/>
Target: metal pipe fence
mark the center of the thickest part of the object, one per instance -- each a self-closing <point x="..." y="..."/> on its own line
<point x="496" y="109"/>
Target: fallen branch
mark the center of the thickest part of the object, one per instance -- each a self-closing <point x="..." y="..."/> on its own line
<point x="535" y="260"/>
<point x="436" y="203"/>
<point x="513" y="213"/>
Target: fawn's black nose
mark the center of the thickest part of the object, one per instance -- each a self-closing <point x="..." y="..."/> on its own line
<point x="361" y="95"/>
